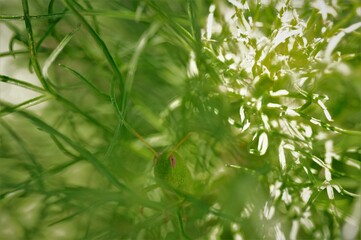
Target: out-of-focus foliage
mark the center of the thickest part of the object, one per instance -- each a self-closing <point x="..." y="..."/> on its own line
<point x="268" y="91"/>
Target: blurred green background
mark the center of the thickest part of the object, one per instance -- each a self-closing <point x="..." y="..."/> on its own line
<point x="269" y="92"/>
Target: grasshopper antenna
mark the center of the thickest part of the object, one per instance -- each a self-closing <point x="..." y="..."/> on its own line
<point x="140" y="138"/>
<point x="181" y="142"/>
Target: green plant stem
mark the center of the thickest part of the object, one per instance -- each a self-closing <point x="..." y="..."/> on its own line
<point x="20" y="83"/>
<point x="118" y="76"/>
<point x="82" y="151"/>
<point x="32" y="48"/>
<point x="13" y="53"/>
<point x="26" y="104"/>
<point x="21" y="18"/>
<point x="22" y="145"/>
<point x="80" y="111"/>
<point x="98" y="165"/>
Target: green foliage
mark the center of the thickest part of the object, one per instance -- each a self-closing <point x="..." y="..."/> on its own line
<point x="91" y="91"/>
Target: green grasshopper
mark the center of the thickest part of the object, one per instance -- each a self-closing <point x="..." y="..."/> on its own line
<point x="170" y="170"/>
<point x="171" y="174"/>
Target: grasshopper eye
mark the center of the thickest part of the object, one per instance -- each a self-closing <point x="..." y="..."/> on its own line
<point x="172" y="160"/>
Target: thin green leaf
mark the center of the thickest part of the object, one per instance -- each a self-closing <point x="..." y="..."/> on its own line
<point x="98" y="165"/>
<point x="26" y="104"/>
<point x="75" y="108"/>
<point x="32" y="49"/>
<point x="38" y="169"/>
<point x="49" y="61"/>
<point x="118" y="76"/>
<point x="13" y="53"/>
<point x="177" y="30"/>
<point x="21" y="83"/>
<point x="86" y="81"/>
<point x="82" y="151"/>
<point x="48" y="32"/>
<point x="134" y="60"/>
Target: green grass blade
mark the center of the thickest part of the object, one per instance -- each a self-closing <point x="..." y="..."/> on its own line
<point x="50" y="30"/>
<point x="21" y="83"/>
<point x="82" y="151"/>
<point x="32" y="48"/>
<point x="134" y="61"/>
<point x="98" y="165"/>
<point x="38" y="169"/>
<point x="75" y="108"/>
<point x="86" y="81"/>
<point x="118" y="76"/>
<point x="50" y="60"/>
<point x="24" y="105"/>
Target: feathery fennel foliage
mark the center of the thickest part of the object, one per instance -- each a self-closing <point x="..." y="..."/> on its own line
<point x="268" y="91"/>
